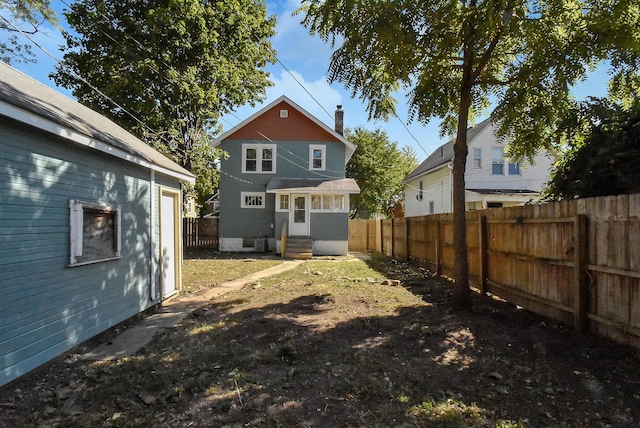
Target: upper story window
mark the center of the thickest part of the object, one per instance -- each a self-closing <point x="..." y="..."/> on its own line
<point x="514" y="168"/>
<point x="317" y="157"/>
<point x="498" y="163"/>
<point x="477" y="158"/>
<point x="259" y="158"/>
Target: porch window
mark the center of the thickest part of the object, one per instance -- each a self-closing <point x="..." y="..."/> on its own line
<point x="252" y="200"/>
<point x="327" y="202"/>
<point x="259" y="158"/>
<point x="316" y="202"/>
<point x="283" y="203"/>
<point x="94" y="232"/>
<point x="317" y="157"/>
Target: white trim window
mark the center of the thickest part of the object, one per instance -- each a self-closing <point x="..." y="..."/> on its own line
<point x="283" y="203"/>
<point x="94" y="230"/>
<point x="317" y="157"/>
<point x="329" y="203"/>
<point x="497" y="161"/>
<point x="259" y="158"/>
<point x="513" y="168"/>
<point x="252" y="199"/>
<point x="477" y="158"/>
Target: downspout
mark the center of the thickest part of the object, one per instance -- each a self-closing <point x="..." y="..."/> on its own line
<point x="152" y="234"/>
<point x="450" y="165"/>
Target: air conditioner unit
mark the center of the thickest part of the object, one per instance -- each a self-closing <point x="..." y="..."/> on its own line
<point x="260" y="245"/>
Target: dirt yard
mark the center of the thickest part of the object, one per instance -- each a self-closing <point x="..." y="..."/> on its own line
<point x="334" y="344"/>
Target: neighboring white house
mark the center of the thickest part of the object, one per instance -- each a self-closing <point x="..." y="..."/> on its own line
<point x="491" y="181"/>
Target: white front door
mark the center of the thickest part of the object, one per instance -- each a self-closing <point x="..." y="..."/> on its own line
<point x="169" y="252"/>
<point x="299" y="215"/>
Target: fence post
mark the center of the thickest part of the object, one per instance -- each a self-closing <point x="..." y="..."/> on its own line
<point x="406" y="239"/>
<point x="379" y="236"/>
<point x="393" y="241"/>
<point x="484" y="259"/>
<point x="581" y="256"/>
<point x="438" y="254"/>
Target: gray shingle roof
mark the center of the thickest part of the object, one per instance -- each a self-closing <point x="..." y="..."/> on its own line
<point x="313" y="185"/>
<point x="444" y="153"/>
<point x="27" y="94"/>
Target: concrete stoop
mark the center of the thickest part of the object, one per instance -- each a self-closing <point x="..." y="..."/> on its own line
<point x="299" y="248"/>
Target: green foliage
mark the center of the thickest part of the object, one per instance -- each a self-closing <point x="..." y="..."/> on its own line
<point x="526" y="55"/>
<point x="24" y="16"/>
<point x="378" y="166"/>
<point x="602" y="157"/>
<point x="169" y="69"/>
<point x="456" y="58"/>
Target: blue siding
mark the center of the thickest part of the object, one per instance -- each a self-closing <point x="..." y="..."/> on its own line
<point x="329" y="226"/>
<point x="46" y="306"/>
<point x="292" y="161"/>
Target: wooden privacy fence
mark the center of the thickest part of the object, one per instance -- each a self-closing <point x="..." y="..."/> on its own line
<point x="574" y="261"/>
<point x="200" y="232"/>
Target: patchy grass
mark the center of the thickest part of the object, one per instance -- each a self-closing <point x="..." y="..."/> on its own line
<point x="202" y="270"/>
<point x="327" y="344"/>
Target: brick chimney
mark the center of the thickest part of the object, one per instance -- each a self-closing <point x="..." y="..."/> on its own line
<point x="340" y="120"/>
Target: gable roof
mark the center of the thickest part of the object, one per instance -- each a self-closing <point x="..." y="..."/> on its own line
<point x="444" y="154"/>
<point x="26" y="100"/>
<point x="326" y="130"/>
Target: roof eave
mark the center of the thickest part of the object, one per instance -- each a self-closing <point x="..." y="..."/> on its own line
<point x="444" y="165"/>
<point x="47" y="125"/>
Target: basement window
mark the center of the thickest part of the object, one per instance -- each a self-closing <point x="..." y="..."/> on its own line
<point x="94" y="232"/>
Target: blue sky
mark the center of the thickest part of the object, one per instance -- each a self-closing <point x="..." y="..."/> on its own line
<point x="306" y="59"/>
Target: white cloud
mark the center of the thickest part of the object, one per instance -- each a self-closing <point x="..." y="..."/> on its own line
<point x="294" y="44"/>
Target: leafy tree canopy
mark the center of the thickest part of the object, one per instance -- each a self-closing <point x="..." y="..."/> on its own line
<point x="604" y="162"/>
<point x="378" y="166"/>
<point x="22" y="16"/>
<point x="166" y="71"/>
<point x="457" y="58"/>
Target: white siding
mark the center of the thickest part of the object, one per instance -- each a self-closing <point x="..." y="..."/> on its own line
<point x="436" y="187"/>
<point x="437" y="184"/>
<point x="532" y="177"/>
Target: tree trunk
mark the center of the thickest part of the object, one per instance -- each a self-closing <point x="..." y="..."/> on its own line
<point x="460" y="151"/>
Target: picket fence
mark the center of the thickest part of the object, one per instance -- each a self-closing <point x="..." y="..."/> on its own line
<point x="574" y="261"/>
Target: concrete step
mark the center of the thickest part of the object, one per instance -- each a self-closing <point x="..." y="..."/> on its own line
<point x="299" y="248"/>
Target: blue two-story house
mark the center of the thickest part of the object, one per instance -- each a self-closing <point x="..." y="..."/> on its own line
<point x="283" y="184"/>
